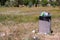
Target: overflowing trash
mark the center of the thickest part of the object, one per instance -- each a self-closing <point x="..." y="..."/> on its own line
<point x="45" y="14"/>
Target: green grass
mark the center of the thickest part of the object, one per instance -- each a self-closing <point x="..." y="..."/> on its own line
<point x="57" y="15"/>
<point x="18" y="18"/>
<point x="23" y="18"/>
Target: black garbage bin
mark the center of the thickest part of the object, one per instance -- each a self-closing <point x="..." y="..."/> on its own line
<point x="44" y="24"/>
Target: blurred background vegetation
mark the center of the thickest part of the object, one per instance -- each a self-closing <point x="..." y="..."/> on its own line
<point x="30" y="3"/>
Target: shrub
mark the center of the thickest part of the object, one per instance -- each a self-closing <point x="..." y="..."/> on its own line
<point x="12" y="3"/>
<point x="26" y="2"/>
<point x="7" y="4"/>
<point x="44" y="2"/>
<point x="53" y="4"/>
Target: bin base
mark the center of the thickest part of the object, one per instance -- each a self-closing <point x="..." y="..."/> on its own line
<point x="44" y="27"/>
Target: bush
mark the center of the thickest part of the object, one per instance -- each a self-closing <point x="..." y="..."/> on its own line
<point x="2" y="2"/>
<point x="30" y="4"/>
<point x="7" y="4"/>
<point x="44" y="2"/>
<point x="53" y="4"/>
<point x="26" y="2"/>
<point x="12" y="3"/>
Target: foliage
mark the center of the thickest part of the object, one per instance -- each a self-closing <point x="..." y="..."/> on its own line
<point x="53" y="4"/>
<point x="44" y="2"/>
<point x="16" y="3"/>
<point x="2" y="2"/>
<point x="26" y="2"/>
<point x="58" y="2"/>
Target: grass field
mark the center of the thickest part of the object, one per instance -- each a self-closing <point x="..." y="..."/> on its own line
<point x="18" y="23"/>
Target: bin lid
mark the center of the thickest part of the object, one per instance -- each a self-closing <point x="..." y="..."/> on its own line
<point x="45" y="14"/>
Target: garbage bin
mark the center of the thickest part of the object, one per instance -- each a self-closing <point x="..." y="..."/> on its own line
<point x="45" y="23"/>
